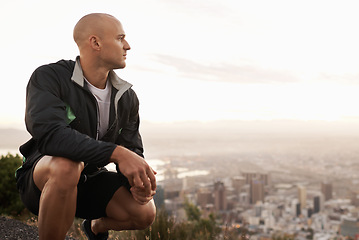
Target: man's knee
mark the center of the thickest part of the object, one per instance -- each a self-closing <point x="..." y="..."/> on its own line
<point x="66" y="170"/>
<point x="147" y="217"/>
<point x="62" y="172"/>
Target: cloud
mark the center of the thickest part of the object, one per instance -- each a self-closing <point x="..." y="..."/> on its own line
<point x="349" y="78"/>
<point x="225" y="72"/>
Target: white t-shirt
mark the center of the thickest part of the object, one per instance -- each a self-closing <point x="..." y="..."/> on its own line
<point x="103" y="97"/>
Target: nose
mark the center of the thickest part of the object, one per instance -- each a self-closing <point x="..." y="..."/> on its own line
<point x="126" y="46"/>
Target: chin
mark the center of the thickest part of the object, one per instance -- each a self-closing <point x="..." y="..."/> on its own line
<point x="119" y="66"/>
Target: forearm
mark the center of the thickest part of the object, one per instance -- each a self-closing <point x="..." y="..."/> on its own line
<point x="135" y="168"/>
<point x="120" y="154"/>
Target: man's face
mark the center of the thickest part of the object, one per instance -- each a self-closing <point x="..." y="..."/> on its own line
<point x="114" y="46"/>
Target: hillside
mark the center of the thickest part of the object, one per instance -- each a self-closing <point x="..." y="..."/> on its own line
<point x="12" y="229"/>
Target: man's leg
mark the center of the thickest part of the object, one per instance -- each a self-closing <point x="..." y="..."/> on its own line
<point x="124" y="213"/>
<point x="57" y="180"/>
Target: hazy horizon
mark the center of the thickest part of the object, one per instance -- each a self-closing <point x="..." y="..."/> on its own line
<point x="233" y="138"/>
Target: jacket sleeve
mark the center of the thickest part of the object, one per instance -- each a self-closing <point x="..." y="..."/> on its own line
<point x="46" y="121"/>
<point x="130" y="136"/>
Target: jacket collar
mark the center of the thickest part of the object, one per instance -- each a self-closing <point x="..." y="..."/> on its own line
<point x="78" y="77"/>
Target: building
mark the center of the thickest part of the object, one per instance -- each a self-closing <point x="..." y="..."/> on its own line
<point x="349" y="227"/>
<point x="249" y="176"/>
<point x="316" y="204"/>
<point x="256" y="191"/>
<point x="327" y="190"/>
<point x="302" y="196"/>
<point x="237" y="183"/>
<point x="220" y="197"/>
<point x="204" y="197"/>
<point x="309" y="212"/>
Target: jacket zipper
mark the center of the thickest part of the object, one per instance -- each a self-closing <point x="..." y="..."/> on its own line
<point x="98" y="120"/>
<point x="97" y="113"/>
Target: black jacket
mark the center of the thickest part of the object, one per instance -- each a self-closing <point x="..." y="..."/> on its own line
<point x="61" y="116"/>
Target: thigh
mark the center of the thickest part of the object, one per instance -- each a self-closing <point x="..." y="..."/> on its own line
<point x="96" y="191"/>
<point x="35" y="178"/>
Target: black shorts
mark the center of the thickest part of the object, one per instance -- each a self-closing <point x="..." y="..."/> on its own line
<point x="93" y="192"/>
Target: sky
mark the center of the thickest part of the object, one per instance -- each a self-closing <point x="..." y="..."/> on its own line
<point x="201" y="60"/>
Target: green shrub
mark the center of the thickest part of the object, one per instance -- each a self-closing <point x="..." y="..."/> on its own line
<point x="10" y="202"/>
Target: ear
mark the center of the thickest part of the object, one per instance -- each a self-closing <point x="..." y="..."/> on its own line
<point x="94" y="42"/>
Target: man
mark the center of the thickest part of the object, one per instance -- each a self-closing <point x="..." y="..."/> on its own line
<point x="81" y="117"/>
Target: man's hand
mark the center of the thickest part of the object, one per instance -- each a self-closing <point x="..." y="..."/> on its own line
<point x="140" y="196"/>
<point x="138" y="172"/>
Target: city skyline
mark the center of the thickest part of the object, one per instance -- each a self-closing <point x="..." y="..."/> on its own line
<point x="202" y="60"/>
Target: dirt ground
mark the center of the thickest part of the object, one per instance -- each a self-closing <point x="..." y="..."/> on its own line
<point x="11" y="229"/>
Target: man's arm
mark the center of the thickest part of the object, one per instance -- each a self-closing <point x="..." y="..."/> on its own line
<point x="139" y="174"/>
<point x="47" y="122"/>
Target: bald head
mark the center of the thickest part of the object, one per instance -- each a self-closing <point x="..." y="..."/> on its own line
<point x="92" y="24"/>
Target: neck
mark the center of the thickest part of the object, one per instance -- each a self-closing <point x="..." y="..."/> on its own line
<point x="95" y="74"/>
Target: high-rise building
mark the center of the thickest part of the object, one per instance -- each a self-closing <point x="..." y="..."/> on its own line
<point x="297" y="209"/>
<point x="316" y="204"/>
<point x="302" y="196"/>
<point x="256" y="191"/>
<point x="204" y="197"/>
<point x="327" y="190"/>
<point x="310" y="212"/>
<point x="249" y="176"/>
<point x="245" y="195"/>
<point x="220" y="198"/>
<point x="237" y="183"/>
